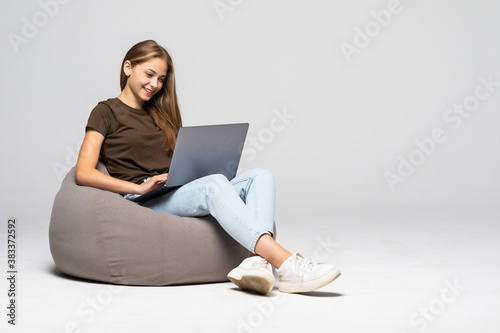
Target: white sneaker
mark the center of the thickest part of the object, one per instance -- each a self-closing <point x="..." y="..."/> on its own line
<point x="254" y="274"/>
<point x="298" y="274"/>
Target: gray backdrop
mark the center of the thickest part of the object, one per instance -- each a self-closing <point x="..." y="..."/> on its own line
<point x="354" y="105"/>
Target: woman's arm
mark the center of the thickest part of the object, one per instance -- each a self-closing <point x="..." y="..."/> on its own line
<point x="88" y="175"/>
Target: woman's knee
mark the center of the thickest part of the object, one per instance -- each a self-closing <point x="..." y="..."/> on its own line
<point x="216" y="182"/>
<point x="264" y="174"/>
<point x="257" y="172"/>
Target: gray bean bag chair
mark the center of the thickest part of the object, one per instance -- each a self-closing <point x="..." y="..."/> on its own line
<point x="99" y="235"/>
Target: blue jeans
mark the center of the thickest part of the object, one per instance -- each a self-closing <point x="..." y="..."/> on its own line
<point x="244" y="206"/>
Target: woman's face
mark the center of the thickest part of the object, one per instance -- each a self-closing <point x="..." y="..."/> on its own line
<point x="146" y="79"/>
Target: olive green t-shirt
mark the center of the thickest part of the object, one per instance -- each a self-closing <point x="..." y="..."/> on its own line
<point x="133" y="145"/>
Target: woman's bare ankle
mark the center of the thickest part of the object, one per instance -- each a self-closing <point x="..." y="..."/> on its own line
<point x="269" y="249"/>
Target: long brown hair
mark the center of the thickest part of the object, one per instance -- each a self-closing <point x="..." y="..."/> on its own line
<point x="163" y="106"/>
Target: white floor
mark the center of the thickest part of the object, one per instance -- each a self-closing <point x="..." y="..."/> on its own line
<point x="401" y="272"/>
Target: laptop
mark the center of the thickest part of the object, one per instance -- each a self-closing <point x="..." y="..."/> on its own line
<point x="201" y="151"/>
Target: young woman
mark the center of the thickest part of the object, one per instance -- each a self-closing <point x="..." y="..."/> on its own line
<point x="135" y="133"/>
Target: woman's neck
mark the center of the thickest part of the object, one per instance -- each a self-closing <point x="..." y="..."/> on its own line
<point x="127" y="97"/>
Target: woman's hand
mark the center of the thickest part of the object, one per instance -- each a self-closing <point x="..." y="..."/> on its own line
<point x="153" y="183"/>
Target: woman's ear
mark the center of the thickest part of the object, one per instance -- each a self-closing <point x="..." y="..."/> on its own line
<point x="127" y="67"/>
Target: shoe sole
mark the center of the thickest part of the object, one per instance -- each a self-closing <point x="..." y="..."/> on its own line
<point x="306" y="286"/>
<point x="252" y="280"/>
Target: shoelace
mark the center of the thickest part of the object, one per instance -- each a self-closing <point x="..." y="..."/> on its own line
<point x="305" y="263"/>
<point x="261" y="263"/>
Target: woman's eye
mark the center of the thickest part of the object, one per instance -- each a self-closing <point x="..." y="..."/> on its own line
<point x="149" y="75"/>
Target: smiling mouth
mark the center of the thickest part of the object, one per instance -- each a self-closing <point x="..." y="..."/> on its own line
<point x="149" y="92"/>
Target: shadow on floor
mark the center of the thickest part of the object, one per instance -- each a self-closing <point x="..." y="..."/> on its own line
<point x="321" y="294"/>
<point x="276" y="291"/>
